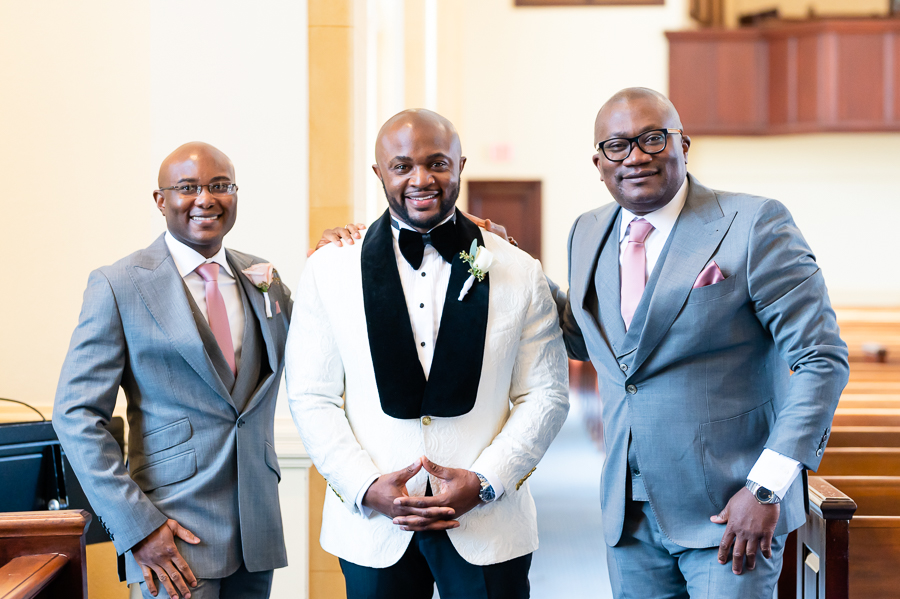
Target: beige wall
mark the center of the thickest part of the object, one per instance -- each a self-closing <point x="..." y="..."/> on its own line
<point x="534" y="79"/>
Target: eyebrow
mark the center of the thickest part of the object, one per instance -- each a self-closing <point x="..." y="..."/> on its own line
<point x="623" y="134"/>
<point x="192" y="179"/>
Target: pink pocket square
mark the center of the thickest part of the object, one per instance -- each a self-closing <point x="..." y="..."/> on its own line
<point x="278" y="308"/>
<point x="709" y="276"/>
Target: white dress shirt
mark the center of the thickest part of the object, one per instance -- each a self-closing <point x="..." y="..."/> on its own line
<point x="186" y="260"/>
<point x="424" y="290"/>
<point x="772" y="470"/>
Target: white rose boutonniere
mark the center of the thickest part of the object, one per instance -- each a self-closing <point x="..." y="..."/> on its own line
<point x="479" y="259"/>
<point x="262" y="275"/>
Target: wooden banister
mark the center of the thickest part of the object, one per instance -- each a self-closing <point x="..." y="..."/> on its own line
<point x="26" y="576"/>
<point x="43" y="554"/>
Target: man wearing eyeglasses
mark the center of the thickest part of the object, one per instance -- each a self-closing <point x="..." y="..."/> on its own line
<point x="694" y="306"/>
<point x="184" y="328"/>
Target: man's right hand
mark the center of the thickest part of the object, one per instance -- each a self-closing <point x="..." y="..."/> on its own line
<point x="158" y="554"/>
<point x="338" y="236"/>
<point x="387" y="487"/>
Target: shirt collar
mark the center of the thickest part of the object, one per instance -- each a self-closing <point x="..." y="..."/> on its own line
<point x="402" y="225"/>
<point x="187" y="259"/>
<point x="663" y="219"/>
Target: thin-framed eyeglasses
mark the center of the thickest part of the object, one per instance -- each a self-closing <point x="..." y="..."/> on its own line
<point x="219" y="188"/>
<point x="617" y="149"/>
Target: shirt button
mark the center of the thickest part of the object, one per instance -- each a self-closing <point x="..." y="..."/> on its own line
<point x="423" y="274"/>
<point x="631" y="389"/>
<point x="421" y="305"/>
<point x="623" y="367"/>
<point x="426" y="420"/>
<point x="423" y="344"/>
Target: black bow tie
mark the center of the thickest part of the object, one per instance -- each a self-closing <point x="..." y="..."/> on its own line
<point x="443" y="239"/>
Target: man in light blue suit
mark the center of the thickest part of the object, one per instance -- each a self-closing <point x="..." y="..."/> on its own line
<point x="183" y="328"/>
<point x="694" y="306"/>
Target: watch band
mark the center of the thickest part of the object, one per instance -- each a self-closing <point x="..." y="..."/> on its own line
<point x="486" y="494"/>
<point x="762" y="494"/>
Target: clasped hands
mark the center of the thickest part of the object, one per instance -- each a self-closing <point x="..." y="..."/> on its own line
<point x="458" y="493"/>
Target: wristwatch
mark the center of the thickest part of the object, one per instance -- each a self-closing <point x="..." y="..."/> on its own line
<point x="486" y="494"/>
<point x="762" y="494"/>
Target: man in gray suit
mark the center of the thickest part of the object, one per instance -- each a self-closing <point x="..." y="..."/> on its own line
<point x="198" y="350"/>
<point x="694" y="306"/>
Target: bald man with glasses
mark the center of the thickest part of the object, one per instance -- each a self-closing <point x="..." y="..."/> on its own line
<point x="184" y="329"/>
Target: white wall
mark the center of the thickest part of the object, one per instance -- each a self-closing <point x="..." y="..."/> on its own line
<point x="534" y="78"/>
<point x="95" y="94"/>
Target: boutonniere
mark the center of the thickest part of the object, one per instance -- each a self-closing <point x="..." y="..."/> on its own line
<point x="263" y="275"/>
<point x="479" y="259"/>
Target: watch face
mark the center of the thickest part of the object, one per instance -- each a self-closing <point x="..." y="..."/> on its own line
<point x="764" y="495"/>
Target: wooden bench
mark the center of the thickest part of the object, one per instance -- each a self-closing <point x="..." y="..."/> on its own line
<point x="864" y="436"/>
<point x="836" y="557"/>
<point x="860" y="461"/>
<point x="42" y="555"/>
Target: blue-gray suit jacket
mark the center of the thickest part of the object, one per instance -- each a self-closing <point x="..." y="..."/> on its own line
<point x="706" y="383"/>
<point x="195" y="454"/>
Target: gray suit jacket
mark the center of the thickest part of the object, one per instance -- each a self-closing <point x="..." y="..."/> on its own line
<point x="702" y="380"/>
<point x="200" y="442"/>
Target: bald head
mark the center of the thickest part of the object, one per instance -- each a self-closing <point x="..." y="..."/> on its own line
<point x="191" y="151"/>
<point x="650" y="175"/>
<point x="419" y="160"/>
<point x="623" y="100"/>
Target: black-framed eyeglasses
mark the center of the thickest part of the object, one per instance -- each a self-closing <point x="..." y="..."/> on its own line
<point x="617" y="149"/>
<point x="219" y="188"/>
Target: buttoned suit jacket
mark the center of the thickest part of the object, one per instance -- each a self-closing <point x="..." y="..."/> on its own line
<point x="495" y="410"/>
<point x="195" y="453"/>
<point x="702" y="379"/>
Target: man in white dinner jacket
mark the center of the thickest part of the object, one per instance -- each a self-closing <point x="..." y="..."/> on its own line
<point x="426" y="409"/>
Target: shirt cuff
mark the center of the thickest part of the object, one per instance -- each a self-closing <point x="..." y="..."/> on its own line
<point x="365" y="511"/>
<point x="494" y="481"/>
<point x="775" y="472"/>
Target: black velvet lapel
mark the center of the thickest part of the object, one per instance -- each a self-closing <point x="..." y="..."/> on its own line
<point x="456" y="369"/>
<point x="459" y="351"/>
<point x="398" y="372"/>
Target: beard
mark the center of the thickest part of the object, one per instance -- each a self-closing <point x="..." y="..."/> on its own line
<point x="420" y="221"/>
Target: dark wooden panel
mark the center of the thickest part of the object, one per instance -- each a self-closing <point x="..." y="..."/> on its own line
<point x="860" y="77"/>
<point x="820" y="75"/>
<point x="514" y="204"/>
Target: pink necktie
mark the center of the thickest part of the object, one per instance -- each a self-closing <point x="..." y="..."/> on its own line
<point x="634" y="268"/>
<point x="218" y="315"/>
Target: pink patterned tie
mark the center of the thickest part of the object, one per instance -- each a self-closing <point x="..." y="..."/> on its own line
<point x="218" y="315"/>
<point x="634" y="268"/>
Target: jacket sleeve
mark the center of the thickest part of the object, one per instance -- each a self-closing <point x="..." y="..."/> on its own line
<point x="315" y="386"/>
<point x="85" y="399"/>
<point x="791" y="301"/>
<point x="539" y="393"/>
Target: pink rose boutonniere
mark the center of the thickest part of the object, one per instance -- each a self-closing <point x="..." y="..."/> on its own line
<point x="263" y="275"/>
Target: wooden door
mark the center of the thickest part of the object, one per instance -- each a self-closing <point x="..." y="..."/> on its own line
<point x="514" y="204"/>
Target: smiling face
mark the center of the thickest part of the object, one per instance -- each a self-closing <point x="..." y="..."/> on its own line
<point x="419" y="163"/>
<point x="200" y="222"/>
<point x="642" y="182"/>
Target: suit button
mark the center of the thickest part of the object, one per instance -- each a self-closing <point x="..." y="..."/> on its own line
<point x="623" y="367"/>
<point x="631" y="389"/>
<point x="636" y="472"/>
<point x="240" y="422"/>
<point x="819" y="453"/>
<point x="426" y="420"/>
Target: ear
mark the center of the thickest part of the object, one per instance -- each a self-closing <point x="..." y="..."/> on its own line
<point x="160" y="199"/>
<point x="377" y="172"/>
<point x="685" y="146"/>
<point x="462" y="163"/>
<point x="597" y="158"/>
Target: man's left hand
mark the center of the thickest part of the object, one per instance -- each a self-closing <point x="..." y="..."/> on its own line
<point x="750" y="527"/>
<point x="459" y="489"/>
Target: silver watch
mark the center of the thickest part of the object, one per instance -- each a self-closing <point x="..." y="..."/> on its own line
<point x="486" y="494"/>
<point x="762" y="494"/>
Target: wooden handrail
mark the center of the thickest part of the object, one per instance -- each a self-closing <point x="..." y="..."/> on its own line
<point x="26" y="576"/>
<point x="44" y="524"/>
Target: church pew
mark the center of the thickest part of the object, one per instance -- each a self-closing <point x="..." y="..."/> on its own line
<point x="42" y="554"/>
<point x="860" y="461"/>
<point x="864" y="436"/>
<point x="866" y="417"/>
<point x="873" y="387"/>
<point x="870" y="400"/>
